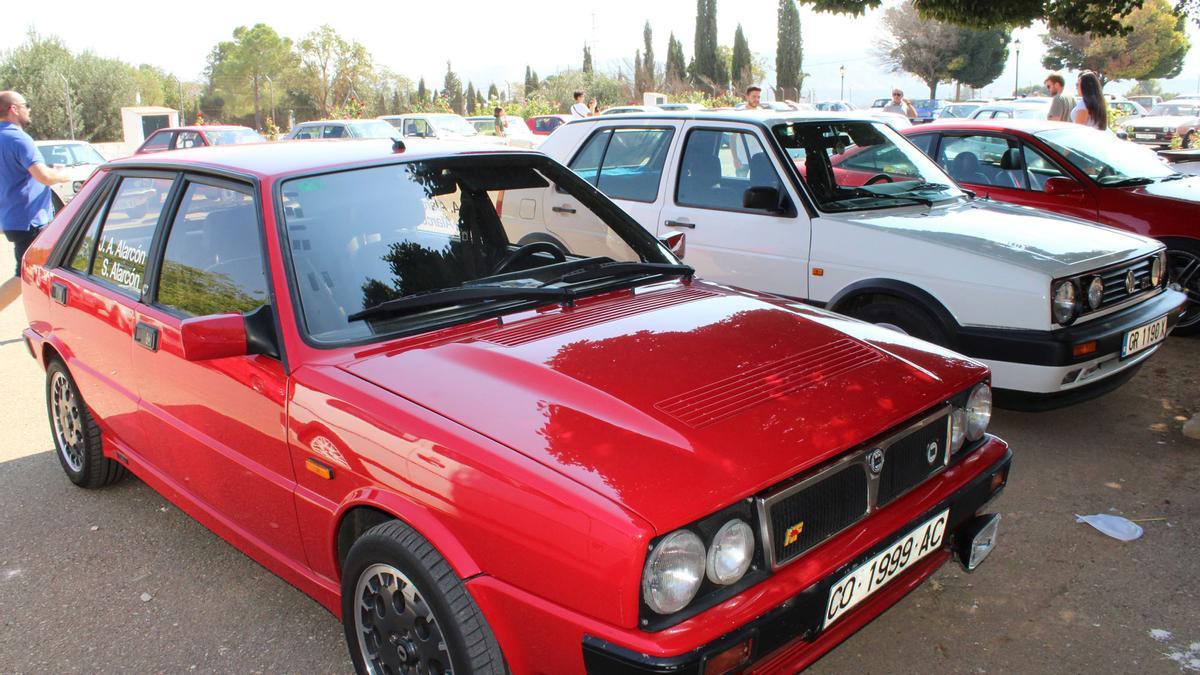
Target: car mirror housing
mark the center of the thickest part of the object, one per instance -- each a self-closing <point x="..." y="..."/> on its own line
<point x="1059" y="185"/>
<point x="761" y="197"/>
<point x="215" y="336"/>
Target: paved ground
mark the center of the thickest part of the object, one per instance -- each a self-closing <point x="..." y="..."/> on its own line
<point x="117" y="580"/>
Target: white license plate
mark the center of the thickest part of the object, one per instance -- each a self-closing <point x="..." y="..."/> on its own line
<point x="1144" y="337"/>
<point x="878" y="571"/>
<point x="1149" y="136"/>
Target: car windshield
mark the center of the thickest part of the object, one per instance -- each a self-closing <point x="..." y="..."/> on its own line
<point x="853" y="166"/>
<point x="452" y="124"/>
<point x="1176" y="110"/>
<point x="373" y="129"/>
<point x="368" y="236"/>
<point x="1103" y="157"/>
<point x="233" y="137"/>
<point x="70" y="154"/>
<point x="926" y="103"/>
<point x="958" y="110"/>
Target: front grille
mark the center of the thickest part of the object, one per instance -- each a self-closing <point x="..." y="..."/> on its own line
<point x="1115" y="289"/>
<point x="912" y="459"/>
<point x="818" y="512"/>
<point x="803" y="514"/>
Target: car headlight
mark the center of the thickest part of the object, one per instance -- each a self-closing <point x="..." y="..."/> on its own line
<point x="1167" y="130"/>
<point x="731" y="552"/>
<point x="978" y="411"/>
<point x="673" y="572"/>
<point x="958" y="429"/>
<point x="1063" y="303"/>
<point x="1156" y="268"/>
<point x="1095" y="294"/>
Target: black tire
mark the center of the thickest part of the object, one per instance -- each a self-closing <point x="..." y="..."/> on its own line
<point x="1183" y="260"/>
<point x="76" y="435"/>
<point x="906" y="316"/>
<point x="437" y="593"/>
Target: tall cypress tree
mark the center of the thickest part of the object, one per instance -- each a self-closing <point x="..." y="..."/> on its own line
<point x="471" y="97"/>
<point x="649" y="80"/>
<point x="452" y="87"/>
<point x="531" y="83"/>
<point x="493" y="93"/>
<point x="741" y="61"/>
<point x="708" y="67"/>
<point x="789" y="51"/>
<point x="676" y="71"/>
<point x="421" y="90"/>
<point x="587" y="60"/>
<point x="639" y="82"/>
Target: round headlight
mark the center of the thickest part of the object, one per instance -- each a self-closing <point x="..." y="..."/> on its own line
<point x="1095" y="293"/>
<point x="673" y="572"/>
<point x="1156" y="268"/>
<point x="979" y="412"/>
<point x="958" y="429"/>
<point x="1063" y="305"/>
<point x="731" y="552"/>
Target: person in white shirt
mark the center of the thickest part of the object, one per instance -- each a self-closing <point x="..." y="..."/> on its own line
<point x="581" y="109"/>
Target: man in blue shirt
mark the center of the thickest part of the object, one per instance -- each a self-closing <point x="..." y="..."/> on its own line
<point x="24" y="186"/>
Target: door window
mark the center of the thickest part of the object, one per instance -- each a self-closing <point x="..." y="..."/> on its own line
<point x="157" y="142"/>
<point x="333" y="131"/>
<point x="127" y="231"/>
<point x="313" y="131"/>
<point x="625" y="163"/>
<point x="924" y="142"/>
<point x="1040" y="169"/>
<point x="213" y="262"/>
<point x="81" y="260"/>
<point x="188" y="139"/>
<point x="982" y="160"/>
<point x="417" y="128"/>
<point x="719" y="166"/>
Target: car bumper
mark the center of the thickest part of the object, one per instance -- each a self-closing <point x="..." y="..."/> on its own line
<point x="1154" y="138"/>
<point x="781" y="616"/>
<point x="1043" y="363"/>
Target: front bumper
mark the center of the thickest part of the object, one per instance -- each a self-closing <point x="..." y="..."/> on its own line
<point x="788" y="638"/>
<point x="1043" y="363"/>
<point x="1157" y="137"/>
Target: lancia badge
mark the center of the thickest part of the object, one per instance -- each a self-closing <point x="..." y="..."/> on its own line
<point x="931" y="452"/>
<point x="875" y="461"/>
<point x="1130" y="282"/>
<point x="793" y="534"/>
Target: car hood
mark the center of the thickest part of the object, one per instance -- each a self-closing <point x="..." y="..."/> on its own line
<point x="678" y="399"/>
<point x="1181" y="190"/>
<point x="1162" y="120"/>
<point x="81" y="171"/>
<point x="1051" y="244"/>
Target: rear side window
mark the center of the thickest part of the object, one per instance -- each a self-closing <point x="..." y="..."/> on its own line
<point x="313" y="131"/>
<point x="158" y="141"/>
<point x="188" y="139"/>
<point x="213" y="263"/>
<point x="333" y="131"/>
<point x="82" y="258"/>
<point x="924" y="142"/>
<point x="127" y="231"/>
<point x="625" y="163"/>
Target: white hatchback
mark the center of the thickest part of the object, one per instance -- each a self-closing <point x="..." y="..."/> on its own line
<point x="844" y="212"/>
<point x="80" y="161"/>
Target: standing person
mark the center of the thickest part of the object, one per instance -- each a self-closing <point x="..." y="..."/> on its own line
<point x="24" y="186"/>
<point x="1061" y="104"/>
<point x="1092" y="109"/>
<point x="900" y="105"/>
<point x="581" y="109"/>
<point x="754" y="98"/>
<point x="500" y="124"/>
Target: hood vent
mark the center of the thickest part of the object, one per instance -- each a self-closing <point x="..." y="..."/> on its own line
<point x="590" y="315"/>
<point x="732" y="395"/>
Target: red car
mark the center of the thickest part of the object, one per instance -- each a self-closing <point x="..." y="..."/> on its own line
<point x="542" y="125"/>
<point x="367" y="368"/>
<point x="179" y="138"/>
<point x="1076" y="171"/>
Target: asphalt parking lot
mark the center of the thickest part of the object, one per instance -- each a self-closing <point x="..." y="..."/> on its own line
<point x="118" y="580"/>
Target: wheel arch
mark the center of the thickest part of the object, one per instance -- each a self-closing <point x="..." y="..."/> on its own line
<point x="902" y="290"/>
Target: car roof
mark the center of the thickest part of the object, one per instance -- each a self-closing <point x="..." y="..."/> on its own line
<point x="312" y="122"/>
<point x="731" y="115"/>
<point x="206" y="127"/>
<point x="62" y="142"/>
<point x="290" y="157"/>
<point x="992" y="124"/>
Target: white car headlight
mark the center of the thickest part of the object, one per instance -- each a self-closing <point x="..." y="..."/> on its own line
<point x="958" y="429"/>
<point x="731" y="552"/>
<point x="1095" y="294"/>
<point x="1063" y="302"/>
<point x="673" y="572"/>
<point x="1156" y="268"/>
<point x="979" y="411"/>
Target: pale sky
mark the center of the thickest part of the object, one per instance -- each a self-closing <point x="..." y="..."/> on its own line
<point x="490" y="41"/>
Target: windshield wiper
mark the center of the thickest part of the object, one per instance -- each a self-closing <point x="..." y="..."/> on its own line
<point x="1128" y="182"/>
<point x="923" y="185"/>
<point x="448" y="297"/>
<point x="622" y="269"/>
<point x="1174" y="176"/>
<point x="858" y="193"/>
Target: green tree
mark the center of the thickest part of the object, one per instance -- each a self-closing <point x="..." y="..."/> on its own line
<point x="40" y="69"/>
<point x="334" y="69"/>
<point x="981" y="56"/>
<point x="471" y="98"/>
<point x="789" y="57"/>
<point x="741" y="67"/>
<point x="531" y="81"/>
<point x="493" y="93"/>
<point x="649" y="68"/>
<point x="422" y="95"/>
<point x="922" y="47"/>
<point x="102" y="87"/>
<point x="452" y="90"/>
<point x="1104" y="17"/>
<point x="706" y="72"/>
<point x="256" y="55"/>
<point x="639" y="84"/>
<point x="676" y="69"/>
<point x="587" y="59"/>
<point x="1153" y="45"/>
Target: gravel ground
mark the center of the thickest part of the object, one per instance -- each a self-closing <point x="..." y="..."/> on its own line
<point x="118" y="580"/>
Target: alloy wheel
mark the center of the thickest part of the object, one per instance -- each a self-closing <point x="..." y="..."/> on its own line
<point x="68" y="422"/>
<point x="1184" y="269"/>
<point x="398" y="633"/>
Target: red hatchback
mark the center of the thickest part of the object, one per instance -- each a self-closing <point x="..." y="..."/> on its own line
<point x="181" y="138"/>
<point x="1076" y="171"/>
<point x="369" y="369"/>
<point x="543" y="125"/>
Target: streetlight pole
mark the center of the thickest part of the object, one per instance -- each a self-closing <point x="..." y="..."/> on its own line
<point x="271" y="89"/>
<point x="70" y="108"/>
<point x="1017" y="66"/>
<point x="842" y="89"/>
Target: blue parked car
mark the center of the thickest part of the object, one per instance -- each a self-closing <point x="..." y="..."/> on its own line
<point x="928" y="109"/>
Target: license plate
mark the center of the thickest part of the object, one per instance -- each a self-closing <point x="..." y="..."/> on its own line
<point x="1147" y="136"/>
<point x="1144" y="337"/>
<point x="878" y="571"/>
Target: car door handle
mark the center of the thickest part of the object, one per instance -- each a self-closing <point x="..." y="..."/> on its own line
<point x="146" y="336"/>
<point x="562" y="209"/>
<point x="679" y="223"/>
<point x="58" y="291"/>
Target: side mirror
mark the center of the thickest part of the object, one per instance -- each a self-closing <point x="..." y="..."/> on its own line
<point x="762" y="198"/>
<point x="1058" y="185"/>
<point x="216" y="336"/>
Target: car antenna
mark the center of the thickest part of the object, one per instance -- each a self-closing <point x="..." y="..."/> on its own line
<point x="398" y="145"/>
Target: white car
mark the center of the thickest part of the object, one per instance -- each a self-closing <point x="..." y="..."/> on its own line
<point x="516" y="131"/>
<point x="78" y="158"/>
<point x="621" y="109"/>
<point x="845" y="213"/>
<point x="440" y="126"/>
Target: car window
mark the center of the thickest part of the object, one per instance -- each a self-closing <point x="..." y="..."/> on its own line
<point x="1001" y="114"/>
<point x="159" y="141"/>
<point x="213" y="261"/>
<point x="982" y="160"/>
<point x="127" y="231"/>
<point x="417" y="128"/>
<point x="81" y="259"/>
<point x="311" y="131"/>
<point x="719" y="166"/>
<point x="333" y="131"/>
<point x="188" y="139"/>
<point x="547" y="124"/>
<point x="587" y="161"/>
<point x="234" y="137"/>
<point x="625" y="163"/>
<point x="924" y="142"/>
<point x="1039" y="168"/>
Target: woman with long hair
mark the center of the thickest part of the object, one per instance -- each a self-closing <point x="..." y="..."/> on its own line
<point x="1092" y="108"/>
